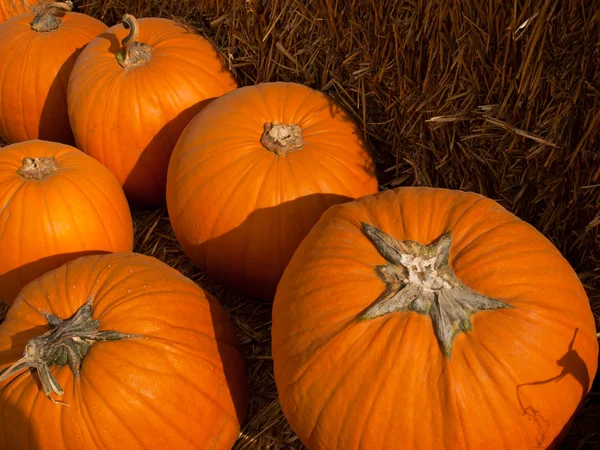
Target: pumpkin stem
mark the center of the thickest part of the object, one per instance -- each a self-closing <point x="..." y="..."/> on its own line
<point x="37" y="168"/>
<point x="48" y="19"/>
<point x="281" y="138"/>
<point x="419" y="278"/>
<point x="67" y="342"/>
<point x="132" y="53"/>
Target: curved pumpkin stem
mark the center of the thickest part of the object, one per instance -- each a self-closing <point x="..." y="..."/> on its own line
<point x="281" y="138"/>
<point x="37" y="168"/>
<point x="419" y="278"/>
<point x="67" y="342"/>
<point x="132" y="53"/>
<point x="49" y="18"/>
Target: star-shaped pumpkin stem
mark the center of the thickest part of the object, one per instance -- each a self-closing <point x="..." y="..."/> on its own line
<point x="419" y="278"/>
<point x="67" y="342"/>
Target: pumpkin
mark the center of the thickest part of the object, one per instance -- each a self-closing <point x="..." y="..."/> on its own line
<point x="57" y="204"/>
<point x="33" y="83"/>
<point x="251" y="175"/>
<point x="11" y="8"/>
<point x="433" y="319"/>
<point x="129" y="102"/>
<point x="142" y="356"/>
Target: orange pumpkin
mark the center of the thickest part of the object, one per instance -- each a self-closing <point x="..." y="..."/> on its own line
<point x="430" y="319"/>
<point x="143" y="358"/>
<point x="129" y="102"/>
<point x="11" y="8"/>
<point x="57" y="204"/>
<point x="253" y="172"/>
<point x="33" y="83"/>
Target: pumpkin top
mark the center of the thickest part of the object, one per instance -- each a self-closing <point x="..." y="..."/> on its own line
<point x="132" y="53"/>
<point x="38" y="168"/>
<point x="49" y="18"/>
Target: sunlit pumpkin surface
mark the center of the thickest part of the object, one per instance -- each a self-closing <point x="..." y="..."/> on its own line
<point x="180" y="385"/>
<point x="129" y="118"/>
<point x="76" y="209"/>
<point x="512" y="382"/>
<point x="238" y="207"/>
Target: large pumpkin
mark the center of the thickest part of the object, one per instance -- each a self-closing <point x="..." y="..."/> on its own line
<point x="57" y="204"/>
<point x="143" y="358"/>
<point x="33" y="82"/>
<point x="253" y="172"/>
<point x="132" y="92"/>
<point x="430" y="319"/>
<point x="11" y="8"/>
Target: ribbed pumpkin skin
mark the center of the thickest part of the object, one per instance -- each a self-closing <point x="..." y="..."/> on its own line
<point x="78" y="209"/>
<point x="11" y="8"/>
<point x="384" y="383"/>
<point x="181" y="387"/>
<point x="34" y="74"/>
<point x="240" y="211"/>
<point x="130" y="119"/>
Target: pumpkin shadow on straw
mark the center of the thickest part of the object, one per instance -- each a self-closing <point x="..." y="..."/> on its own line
<point x="14" y="280"/>
<point x="572" y="364"/>
<point x="148" y="178"/>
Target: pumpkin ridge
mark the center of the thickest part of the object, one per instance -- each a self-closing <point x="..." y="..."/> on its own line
<point x="150" y="406"/>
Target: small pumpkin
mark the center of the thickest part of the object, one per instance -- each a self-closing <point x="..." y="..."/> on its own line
<point x="253" y="172"/>
<point x="33" y="83"/>
<point x="57" y="204"/>
<point x="142" y="356"/>
<point x="432" y="319"/>
<point x="129" y="102"/>
<point x="12" y="8"/>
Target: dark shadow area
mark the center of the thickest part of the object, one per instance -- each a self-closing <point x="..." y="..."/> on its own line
<point x="54" y="118"/>
<point x="16" y="279"/>
<point x="231" y="355"/>
<point x="251" y="258"/>
<point x="572" y="365"/>
<point x="147" y="181"/>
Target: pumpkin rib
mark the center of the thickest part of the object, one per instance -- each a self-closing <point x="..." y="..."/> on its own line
<point x="23" y="69"/>
<point x="340" y="375"/>
<point x="145" y="400"/>
<point x="9" y="64"/>
<point x="205" y="181"/>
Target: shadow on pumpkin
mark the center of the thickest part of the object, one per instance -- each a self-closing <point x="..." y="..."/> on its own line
<point x="15" y="421"/>
<point x="16" y="279"/>
<point x="574" y="366"/>
<point x="272" y="235"/>
<point x="232" y="358"/>
<point x="54" y="120"/>
<point x="146" y="183"/>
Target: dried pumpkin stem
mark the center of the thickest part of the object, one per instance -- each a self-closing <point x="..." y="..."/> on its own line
<point x="49" y="18"/>
<point x="419" y="278"/>
<point x="132" y="53"/>
<point x="67" y="342"/>
<point x="281" y="138"/>
<point x="37" y="168"/>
